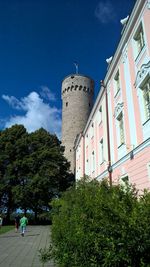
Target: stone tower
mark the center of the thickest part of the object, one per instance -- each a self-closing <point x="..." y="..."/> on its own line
<point x="77" y="99"/>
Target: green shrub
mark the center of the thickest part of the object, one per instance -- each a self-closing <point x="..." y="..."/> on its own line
<point x="98" y="225"/>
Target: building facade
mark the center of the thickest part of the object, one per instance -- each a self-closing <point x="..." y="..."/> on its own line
<point x="115" y="142"/>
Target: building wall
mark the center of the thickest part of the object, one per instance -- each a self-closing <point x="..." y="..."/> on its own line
<point x="129" y="126"/>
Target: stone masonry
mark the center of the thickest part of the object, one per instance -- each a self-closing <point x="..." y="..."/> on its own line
<point x="77" y="97"/>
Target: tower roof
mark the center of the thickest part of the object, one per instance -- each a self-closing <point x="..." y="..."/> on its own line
<point x="75" y="74"/>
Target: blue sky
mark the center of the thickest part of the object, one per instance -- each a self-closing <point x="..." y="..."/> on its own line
<point x="39" y="41"/>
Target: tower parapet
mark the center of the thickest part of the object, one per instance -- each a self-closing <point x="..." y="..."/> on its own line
<point x="77" y="97"/>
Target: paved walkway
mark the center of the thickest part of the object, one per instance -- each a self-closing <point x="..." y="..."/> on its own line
<point x="18" y="251"/>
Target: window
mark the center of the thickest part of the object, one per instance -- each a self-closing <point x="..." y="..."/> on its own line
<point x="100" y="110"/>
<point x="101" y="151"/>
<point x="124" y="181"/>
<point x="117" y="82"/>
<point x="121" y="128"/>
<point x="92" y="129"/>
<point x="148" y="168"/>
<point x="93" y="161"/>
<point x="146" y="99"/>
<point x="139" y="40"/>
<point x="79" y="162"/>
<point x="66" y="104"/>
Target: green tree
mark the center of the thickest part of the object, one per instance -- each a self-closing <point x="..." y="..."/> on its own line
<point x="97" y="225"/>
<point x="10" y="140"/>
<point x="33" y="169"/>
<point x="49" y="170"/>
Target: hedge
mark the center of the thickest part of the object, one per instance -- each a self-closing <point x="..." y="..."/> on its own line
<point x="95" y="225"/>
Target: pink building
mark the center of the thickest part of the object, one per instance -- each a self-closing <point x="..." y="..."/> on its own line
<point x="116" y="140"/>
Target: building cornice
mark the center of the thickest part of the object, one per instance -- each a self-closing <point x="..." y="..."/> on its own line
<point x="121" y="50"/>
<point x="134" y="151"/>
<point x="124" y="38"/>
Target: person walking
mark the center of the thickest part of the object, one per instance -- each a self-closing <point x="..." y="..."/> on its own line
<point x="1" y="221"/>
<point x="17" y="220"/>
<point x="23" y="224"/>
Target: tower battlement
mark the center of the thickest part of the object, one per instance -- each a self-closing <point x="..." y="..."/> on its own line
<point x="77" y="87"/>
<point x="77" y="82"/>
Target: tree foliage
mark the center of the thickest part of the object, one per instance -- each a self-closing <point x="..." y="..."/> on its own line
<point x="33" y="169"/>
<point x="98" y="225"/>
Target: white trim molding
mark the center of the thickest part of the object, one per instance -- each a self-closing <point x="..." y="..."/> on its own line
<point x="118" y="109"/>
<point x="142" y="73"/>
<point x="118" y="163"/>
<point x="125" y="53"/>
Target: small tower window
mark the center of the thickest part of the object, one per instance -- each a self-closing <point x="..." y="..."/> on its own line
<point x="66" y="104"/>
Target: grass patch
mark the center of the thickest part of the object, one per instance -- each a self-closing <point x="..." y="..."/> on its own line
<point x="5" y="229"/>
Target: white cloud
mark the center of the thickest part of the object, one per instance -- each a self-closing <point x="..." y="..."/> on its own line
<point x="47" y="94"/>
<point x="13" y="101"/>
<point x="37" y="113"/>
<point x="105" y="12"/>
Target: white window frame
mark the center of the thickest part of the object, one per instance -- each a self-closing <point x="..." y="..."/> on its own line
<point x="101" y="152"/>
<point x="117" y="83"/>
<point x="93" y="161"/>
<point x="138" y="41"/>
<point x="142" y="84"/>
<point x="124" y="181"/>
<point x="143" y="75"/>
<point x="100" y="111"/>
<point x="92" y="129"/>
<point x="120" y="140"/>
<point x="148" y="169"/>
<point x="146" y="105"/>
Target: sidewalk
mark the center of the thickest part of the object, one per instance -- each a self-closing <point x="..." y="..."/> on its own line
<point x="18" y="251"/>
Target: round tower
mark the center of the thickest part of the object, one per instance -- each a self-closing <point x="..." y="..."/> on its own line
<point x="77" y="99"/>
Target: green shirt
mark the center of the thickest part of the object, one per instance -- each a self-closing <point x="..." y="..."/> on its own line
<point x="23" y="221"/>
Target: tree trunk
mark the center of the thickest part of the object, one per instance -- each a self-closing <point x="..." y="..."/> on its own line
<point x="25" y="211"/>
<point x="35" y="216"/>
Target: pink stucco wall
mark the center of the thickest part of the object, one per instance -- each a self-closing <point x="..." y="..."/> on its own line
<point x="135" y="97"/>
<point x="137" y="169"/>
<point x="146" y="19"/>
<point x="124" y="99"/>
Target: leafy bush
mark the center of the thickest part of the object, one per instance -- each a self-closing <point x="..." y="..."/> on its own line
<point x="98" y="225"/>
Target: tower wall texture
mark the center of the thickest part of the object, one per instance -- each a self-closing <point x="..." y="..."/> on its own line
<point x="77" y="97"/>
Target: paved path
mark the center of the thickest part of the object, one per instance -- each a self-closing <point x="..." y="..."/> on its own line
<point x="18" y="251"/>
